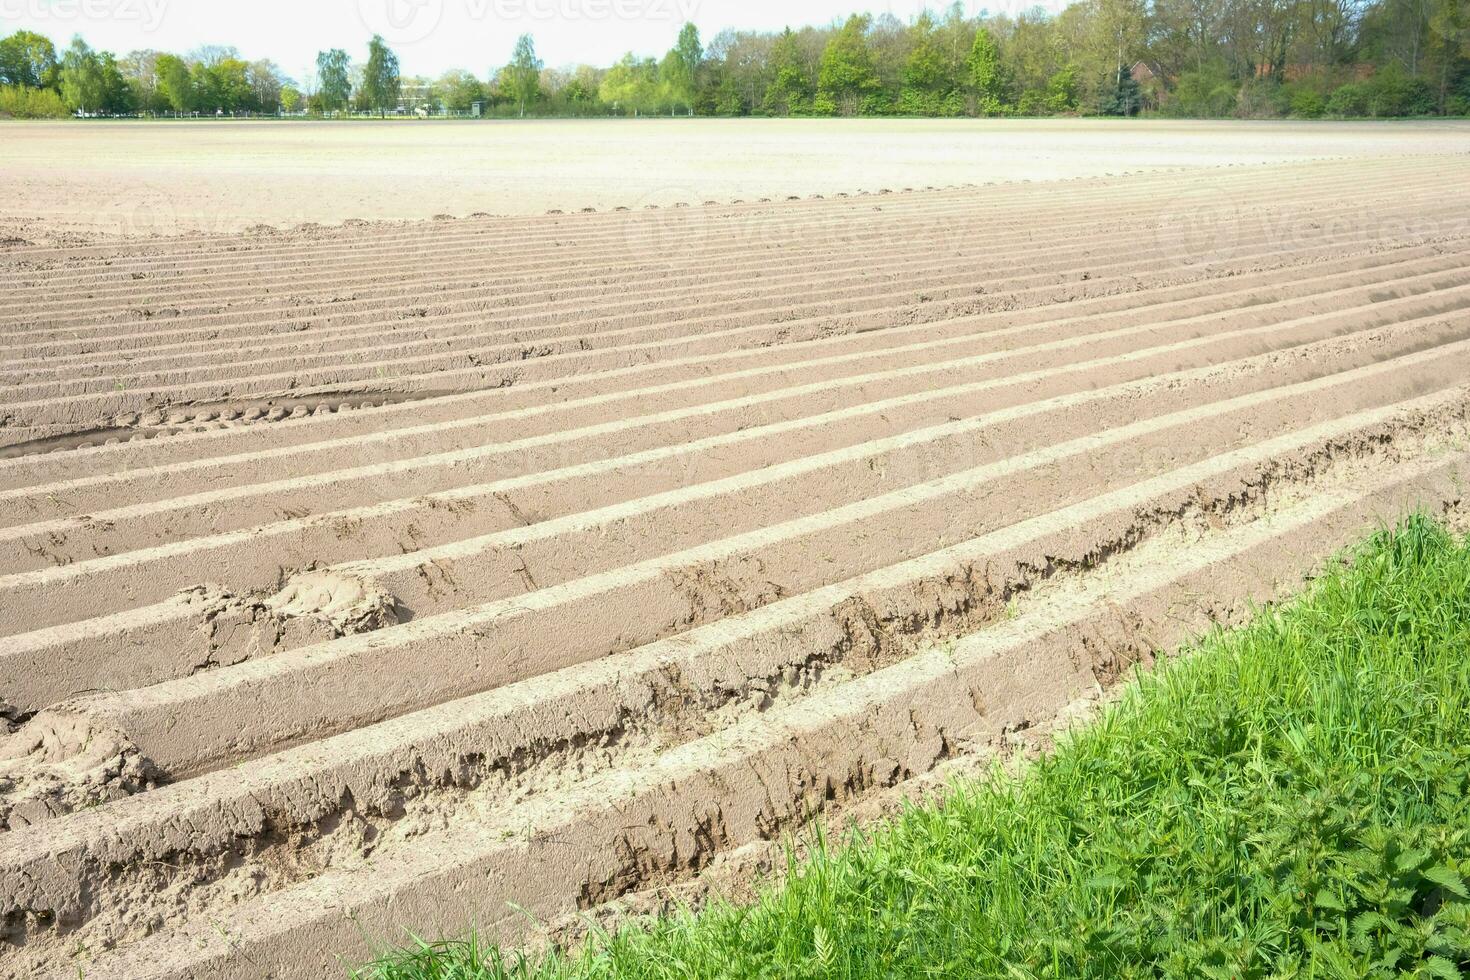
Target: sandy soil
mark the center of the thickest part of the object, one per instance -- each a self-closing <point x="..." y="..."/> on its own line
<point x="166" y="177"/>
<point x="549" y="560"/>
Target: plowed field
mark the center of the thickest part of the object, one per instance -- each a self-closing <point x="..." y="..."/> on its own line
<point x="172" y="177"/>
<point x="432" y="574"/>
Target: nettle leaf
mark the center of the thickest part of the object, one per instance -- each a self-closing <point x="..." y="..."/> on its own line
<point x="1412" y="859"/>
<point x="1366" y="922"/>
<point x="1451" y="941"/>
<point x="1447" y="879"/>
<point x="1438" y="966"/>
<point x="1390" y="959"/>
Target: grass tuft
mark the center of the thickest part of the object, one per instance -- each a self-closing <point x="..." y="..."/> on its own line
<point x="1292" y="800"/>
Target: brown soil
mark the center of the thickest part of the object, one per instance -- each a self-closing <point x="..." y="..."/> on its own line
<point x="410" y="576"/>
<point x="68" y="182"/>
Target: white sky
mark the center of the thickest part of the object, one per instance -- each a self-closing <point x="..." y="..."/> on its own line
<point x="429" y="35"/>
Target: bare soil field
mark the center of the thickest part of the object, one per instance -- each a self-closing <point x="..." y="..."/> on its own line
<point x="469" y="572"/>
<point x="169" y="177"/>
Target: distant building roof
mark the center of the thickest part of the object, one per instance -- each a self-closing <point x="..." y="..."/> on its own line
<point x="1147" y="71"/>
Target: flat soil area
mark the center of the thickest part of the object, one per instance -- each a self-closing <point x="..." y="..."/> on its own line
<point x="429" y="574"/>
<point x="165" y="177"/>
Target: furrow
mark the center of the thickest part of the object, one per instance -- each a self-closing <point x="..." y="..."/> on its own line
<point x="553" y="324"/>
<point x="221" y="625"/>
<point x="103" y="585"/>
<point x="329" y="687"/>
<point x="222" y="439"/>
<point x="426" y="575"/>
<point x="726" y="736"/>
<point x="886" y="244"/>
<point x="755" y="226"/>
<point x="1399" y="279"/>
<point x="496" y="366"/>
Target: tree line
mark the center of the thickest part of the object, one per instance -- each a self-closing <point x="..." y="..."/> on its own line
<point x="1205" y="58"/>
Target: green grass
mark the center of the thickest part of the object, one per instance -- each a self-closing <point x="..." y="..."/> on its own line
<point x="1290" y="801"/>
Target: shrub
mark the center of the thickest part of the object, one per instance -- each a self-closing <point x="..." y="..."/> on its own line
<point x="923" y="102"/>
<point x="1349" y="100"/>
<point x="1394" y="92"/>
<point x="1201" y="95"/>
<point x="1307" y="103"/>
<point x="1262" y="99"/>
<point x="31" y="103"/>
<point x="1033" y="103"/>
<point x="1062" y="90"/>
<point x="989" y="105"/>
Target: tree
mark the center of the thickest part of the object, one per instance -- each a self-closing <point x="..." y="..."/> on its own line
<point x="888" y="42"/>
<point x="1206" y="58"/>
<point x="738" y="70"/>
<point x="174" y="82"/>
<point x="459" y="90"/>
<point x="987" y="77"/>
<point x="291" y="98"/>
<point x="631" y="85"/>
<point x="28" y="60"/>
<point x="380" y="81"/>
<point x="117" y="96"/>
<point x="927" y="85"/>
<point x="204" y="93"/>
<point x="954" y="34"/>
<point x="1187" y="34"/>
<point x="232" y="82"/>
<point x="334" y="84"/>
<point x="1449" y="46"/>
<point x="581" y="89"/>
<point x="680" y="69"/>
<point x="1120" y="27"/>
<point x="211" y="55"/>
<point x="140" y="70"/>
<point x="83" y="86"/>
<point x="1031" y="50"/>
<point x="1123" y="97"/>
<point x="929" y="81"/>
<point x="522" y="77"/>
<point x="1061" y="90"/>
<point x="847" y="79"/>
<point x="790" y="92"/>
<point x="266" y="82"/>
<point x="221" y="85"/>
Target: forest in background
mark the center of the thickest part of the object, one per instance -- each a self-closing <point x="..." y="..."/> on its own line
<point x="1183" y="58"/>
